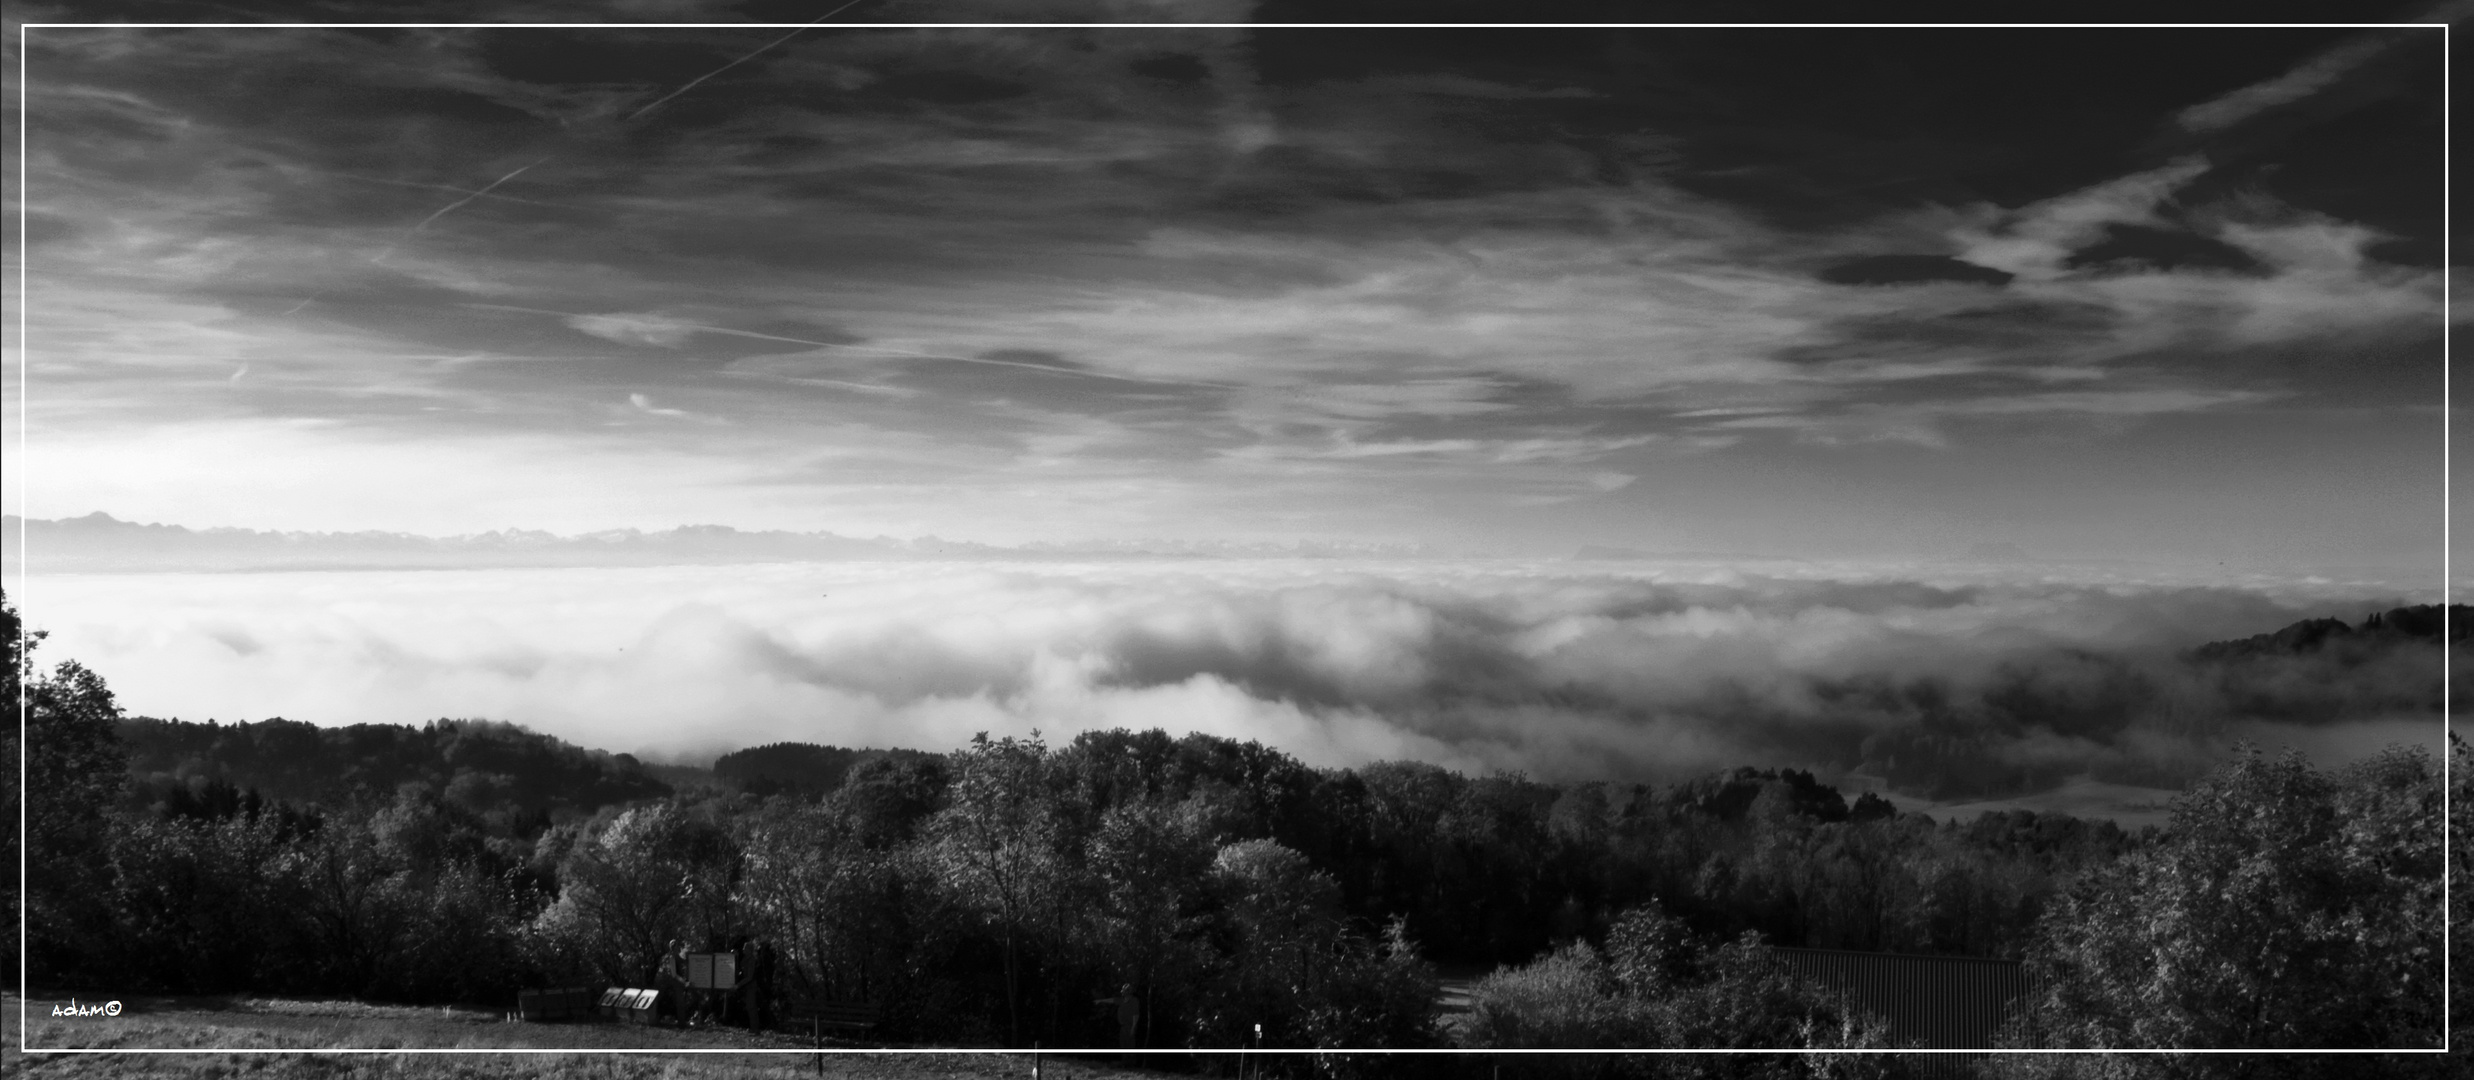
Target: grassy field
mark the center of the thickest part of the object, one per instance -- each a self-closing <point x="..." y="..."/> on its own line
<point x="236" y="1037"/>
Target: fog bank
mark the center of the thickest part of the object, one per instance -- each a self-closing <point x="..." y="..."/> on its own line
<point x="1938" y="683"/>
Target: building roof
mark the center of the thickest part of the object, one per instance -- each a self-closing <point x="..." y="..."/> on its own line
<point x="1933" y="1002"/>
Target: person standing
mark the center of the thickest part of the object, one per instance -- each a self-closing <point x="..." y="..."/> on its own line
<point x="757" y="965"/>
<point x="673" y="982"/>
<point x="1129" y="1016"/>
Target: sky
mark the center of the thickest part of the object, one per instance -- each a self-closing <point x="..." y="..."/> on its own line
<point x="2163" y="295"/>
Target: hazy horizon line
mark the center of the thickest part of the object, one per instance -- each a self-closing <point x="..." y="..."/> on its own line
<point x="518" y="540"/>
<point x="2080" y="796"/>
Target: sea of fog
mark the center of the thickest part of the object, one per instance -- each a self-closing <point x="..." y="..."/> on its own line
<point x="1645" y="671"/>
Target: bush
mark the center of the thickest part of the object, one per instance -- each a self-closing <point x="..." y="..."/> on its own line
<point x="1654" y="987"/>
<point x="2287" y="907"/>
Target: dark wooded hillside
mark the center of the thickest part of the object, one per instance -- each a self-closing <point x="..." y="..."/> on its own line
<point x="798" y="768"/>
<point x="479" y="765"/>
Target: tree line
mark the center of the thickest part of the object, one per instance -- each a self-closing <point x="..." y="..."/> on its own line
<point x="992" y="895"/>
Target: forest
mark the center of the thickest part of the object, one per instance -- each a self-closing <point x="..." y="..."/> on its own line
<point x="992" y="895"/>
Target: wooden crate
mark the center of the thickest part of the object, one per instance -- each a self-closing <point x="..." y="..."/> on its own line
<point x="641" y="1006"/>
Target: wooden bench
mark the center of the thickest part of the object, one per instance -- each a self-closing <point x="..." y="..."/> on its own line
<point x="555" y="1003"/>
<point x="855" y="1017"/>
<point x="823" y="1016"/>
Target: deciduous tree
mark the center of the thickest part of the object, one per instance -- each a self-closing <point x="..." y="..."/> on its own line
<point x="997" y="844"/>
<point x="2286" y="907"/>
<point x="74" y="772"/>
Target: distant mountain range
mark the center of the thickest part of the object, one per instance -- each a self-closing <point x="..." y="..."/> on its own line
<point x="100" y="543"/>
<point x="1601" y="553"/>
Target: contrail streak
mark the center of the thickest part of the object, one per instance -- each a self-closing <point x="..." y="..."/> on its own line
<point x="1085" y="373"/>
<point x="691" y="83"/>
<point x="450" y="207"/>
<point x="435" y="187"/>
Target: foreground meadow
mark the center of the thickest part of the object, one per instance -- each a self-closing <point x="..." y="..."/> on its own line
<point x="235" y="1036"/>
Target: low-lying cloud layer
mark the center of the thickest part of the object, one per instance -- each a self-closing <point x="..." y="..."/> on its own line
<point x="1946" y="686"/>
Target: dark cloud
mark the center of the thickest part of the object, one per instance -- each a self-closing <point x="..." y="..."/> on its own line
<point x="1172" y="68"/>
<point x="43" y="230"/>
<point x="2139" y="249"/>
<point x="1910" y="270"/>
<point x="586" y="59"/>
<point x="2038" y="332"/>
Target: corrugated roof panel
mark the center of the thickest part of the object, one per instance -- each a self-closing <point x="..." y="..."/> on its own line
<point x="1934" y="1002"/>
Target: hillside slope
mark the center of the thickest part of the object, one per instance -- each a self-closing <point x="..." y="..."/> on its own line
<point x="477" y="764"/>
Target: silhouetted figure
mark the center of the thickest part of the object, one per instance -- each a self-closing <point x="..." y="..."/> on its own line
<point x="1129" y="1015"/>
<point x="673" y="982"/>
<point x="734" y="995"/>
<point x="757" y="963"/>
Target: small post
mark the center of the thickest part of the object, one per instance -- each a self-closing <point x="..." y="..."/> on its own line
<point x="1035" y="1059"/>
<point x="816" y="1033"/>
